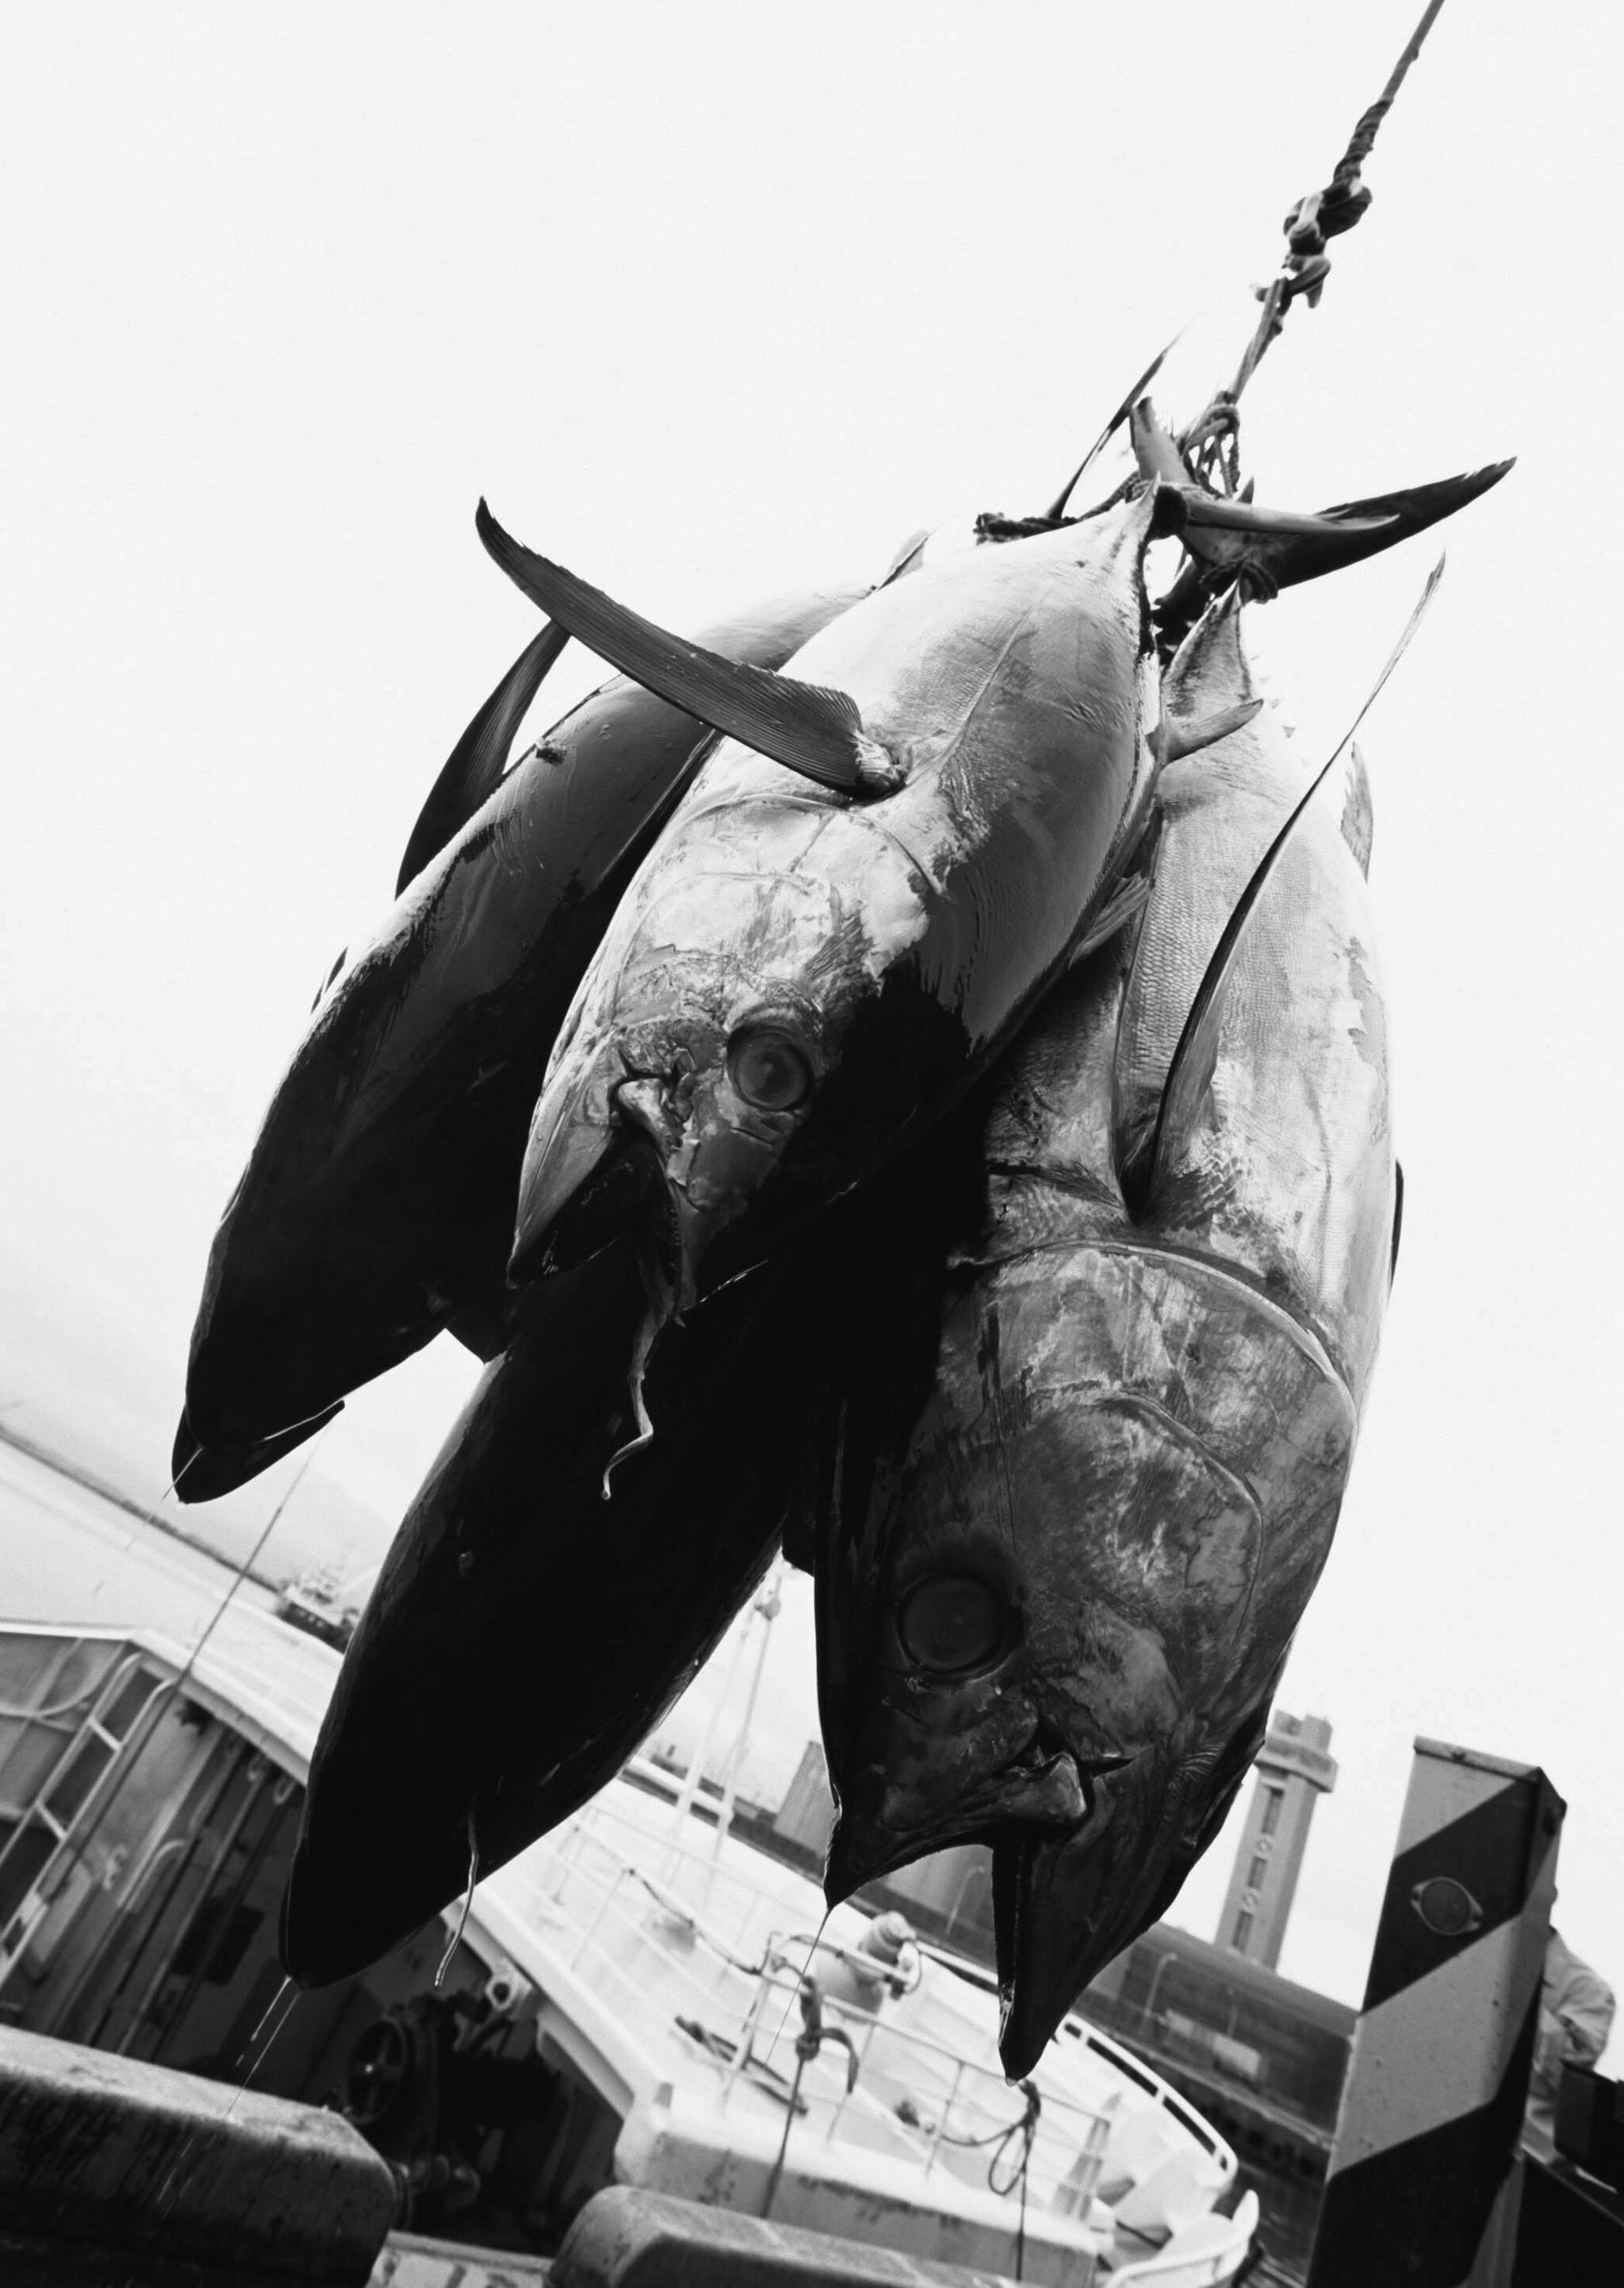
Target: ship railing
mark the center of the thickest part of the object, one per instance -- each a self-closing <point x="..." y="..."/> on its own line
<point x="1123" y="2063"/>
<point x="1133" y="2068"/>
<point x="951" y="2111"/>
<point x="605" y="1936"/>
<point x="938" y="2104"/>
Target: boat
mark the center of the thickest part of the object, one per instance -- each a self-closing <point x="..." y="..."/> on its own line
<point x="322" y="1604"/>
<point x="642" y="1997"/>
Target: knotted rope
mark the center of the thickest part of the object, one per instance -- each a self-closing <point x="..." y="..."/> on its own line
<point x="1211" y="442"/>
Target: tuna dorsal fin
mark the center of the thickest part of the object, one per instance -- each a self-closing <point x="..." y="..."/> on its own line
<point x="1189" y="1073"/>
<point x="473" y="770"/>
<point x="1392" y="1266"/>
<point x="1358" y="817"/>
<point x="817" y="733"/>
<point x="1172" y="739"/>
<point x="1123" y="412"/>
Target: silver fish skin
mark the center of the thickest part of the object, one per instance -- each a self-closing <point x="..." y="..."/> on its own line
<point x="1060" y="1634"/>
<point x="796" y="985"/>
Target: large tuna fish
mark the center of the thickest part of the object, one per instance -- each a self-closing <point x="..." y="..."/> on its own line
<point x="377" y="1203"/>
<point x="525" y="1633"/>
<point x="1052" y="1619"/>
<point x="800" y="981"/>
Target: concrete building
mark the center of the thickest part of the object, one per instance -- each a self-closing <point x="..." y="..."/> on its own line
<point x="1294" y="1767"/>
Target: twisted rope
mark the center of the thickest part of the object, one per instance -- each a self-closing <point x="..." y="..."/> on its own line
<point x="1211" y="442"/>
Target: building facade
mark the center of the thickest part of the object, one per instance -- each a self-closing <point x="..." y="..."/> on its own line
<point x="1294" y="1769"/>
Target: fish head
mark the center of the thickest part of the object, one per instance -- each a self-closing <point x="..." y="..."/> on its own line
<point x="734" y="1053"/>
<point x="1114" y="1508"/>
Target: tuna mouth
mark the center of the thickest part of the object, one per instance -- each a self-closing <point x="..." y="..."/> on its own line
<point x="201" y="1472"/>
<point x="1039" y="1793"/>
<point x="619" y="1193"/>
<point x="1066" y="1904"/>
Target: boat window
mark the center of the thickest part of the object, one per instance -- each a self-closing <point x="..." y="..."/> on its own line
<point x="22" y="1863"/>
<point x="84" y="1767"/>
<point x="128" y="1701"/>
<point x="49" y="1674"/>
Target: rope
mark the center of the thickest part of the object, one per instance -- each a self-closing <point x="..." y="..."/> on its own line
<point x="1211" y="441"/>
<point x="1025" y="2129"/>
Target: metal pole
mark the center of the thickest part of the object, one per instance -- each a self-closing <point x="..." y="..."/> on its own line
<point x="690" y="1786"/>
<point x="769" y="1605"/>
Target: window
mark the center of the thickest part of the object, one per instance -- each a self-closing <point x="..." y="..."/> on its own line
<point x="1243" y="1929"/>
<point x="1273" y="1798"/>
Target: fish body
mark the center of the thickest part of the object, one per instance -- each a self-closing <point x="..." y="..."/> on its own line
<point x="525" y="1633"/>
<point x="1052" y="1612"/>
<point x="797" y="984"/>
<point x="377" y="1203"/>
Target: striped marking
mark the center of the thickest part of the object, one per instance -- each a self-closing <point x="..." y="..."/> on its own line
<point x="1421" y="2171"/>
<point x="1434" y="2051"/>
<point x="1486" y="1851"/>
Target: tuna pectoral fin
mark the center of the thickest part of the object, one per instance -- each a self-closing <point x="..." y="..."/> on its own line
<point x="204" y="1473"/>
<point x="1142" y="1167"/>
<point x="817" y="733"/>
<point x="474" y="768"/>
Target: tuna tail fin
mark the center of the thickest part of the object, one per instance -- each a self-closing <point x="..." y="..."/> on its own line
<point x="1272" y="553"/>
<point x="474" y="768"/>
<point x="817" y="733"/>
<point x="1142" y="1172"/>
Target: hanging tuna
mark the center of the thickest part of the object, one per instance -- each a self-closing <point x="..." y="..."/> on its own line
<point x="377" y="1203"/>
<point x="1054" y="1600"/>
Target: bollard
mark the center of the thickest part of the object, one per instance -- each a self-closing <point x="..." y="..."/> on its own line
<point x="1420" y="2192"/>
<point x="629" y="2238"/>
<point x="113" y="2169"/>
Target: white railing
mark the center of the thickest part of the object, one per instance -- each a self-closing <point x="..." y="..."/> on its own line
<point x="919" y="2097"/>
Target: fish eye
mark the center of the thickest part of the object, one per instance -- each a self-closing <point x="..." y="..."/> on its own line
<point x="950" y="1623"/>
<point x="768" y="1069"/>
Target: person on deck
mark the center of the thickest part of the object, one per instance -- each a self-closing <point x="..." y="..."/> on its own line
<point x="1576" y="2010"/>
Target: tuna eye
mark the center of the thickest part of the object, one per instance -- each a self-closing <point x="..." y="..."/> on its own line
<point x="769" y="1071"/>
<point x="950" y="1623"/>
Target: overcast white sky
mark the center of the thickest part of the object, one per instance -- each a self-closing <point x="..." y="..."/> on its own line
<point x="710" y="300"/>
